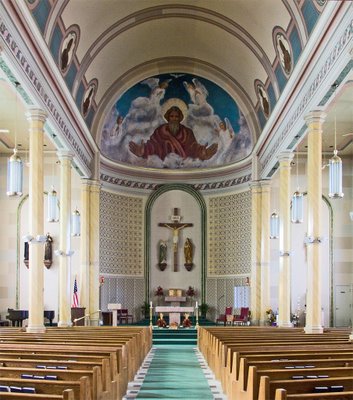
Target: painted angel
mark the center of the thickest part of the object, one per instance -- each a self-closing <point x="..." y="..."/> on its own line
<point x="201" y="92"/>
<point x="225" y="133"/>
<point x="157" y="88"/>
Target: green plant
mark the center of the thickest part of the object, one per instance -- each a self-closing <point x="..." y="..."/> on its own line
<point x="204" y="307"/>
<point x="146" y="309"/>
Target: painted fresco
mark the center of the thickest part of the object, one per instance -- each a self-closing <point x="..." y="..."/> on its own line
<point x="176" y="121"/>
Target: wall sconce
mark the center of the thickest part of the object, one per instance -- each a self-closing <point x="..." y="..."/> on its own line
<point x="311" y="239"/>
<point x="37" y="239"/>
<point x="274" y="226"/>
<point x="351" y="215"/>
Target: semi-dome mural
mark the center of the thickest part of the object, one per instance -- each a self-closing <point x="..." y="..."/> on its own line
<point x="209" y="130"/>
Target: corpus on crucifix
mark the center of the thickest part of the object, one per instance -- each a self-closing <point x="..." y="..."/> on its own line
<point x="175" y="226"/>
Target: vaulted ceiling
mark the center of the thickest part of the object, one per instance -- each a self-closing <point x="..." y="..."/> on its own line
<point x="117" y="43"/>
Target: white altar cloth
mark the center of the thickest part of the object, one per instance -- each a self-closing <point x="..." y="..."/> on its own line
<point x="174" y="312"/>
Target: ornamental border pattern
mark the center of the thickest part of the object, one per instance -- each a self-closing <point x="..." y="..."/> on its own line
<point x="32" y="77"/>
<point x="320" y="76"/>
<point x="153" y="186"/>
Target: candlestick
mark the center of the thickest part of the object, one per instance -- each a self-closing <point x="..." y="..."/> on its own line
<point x="150" y="303"/>
<point x="196" y="306"/>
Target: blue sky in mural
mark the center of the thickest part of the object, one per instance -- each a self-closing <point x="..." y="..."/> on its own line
<point x="223" y="104"/>
<point x="216" y="134"/>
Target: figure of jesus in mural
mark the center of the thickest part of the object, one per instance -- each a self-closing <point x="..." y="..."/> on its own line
<point x="173" y="137"/>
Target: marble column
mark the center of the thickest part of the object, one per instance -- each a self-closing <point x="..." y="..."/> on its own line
<point x="284" y="297"/>
<point x="265" y="250"/>
<point x="36" y="118"/>
<point x="65" y="287"/>
<point x="314" y="121"/>
<point x="84" y="244"/>
<point x="256" y="275"/>
<point x="95" y="187"/>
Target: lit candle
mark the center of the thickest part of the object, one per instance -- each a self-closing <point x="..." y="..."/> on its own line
<point x="197" y="305"/>
<point x="151" y="304"/>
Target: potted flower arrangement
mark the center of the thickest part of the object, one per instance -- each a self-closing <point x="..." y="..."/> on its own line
<point x="159" y="293"/>
<point x="271" y="319"/>
<point x="190" y="292"/>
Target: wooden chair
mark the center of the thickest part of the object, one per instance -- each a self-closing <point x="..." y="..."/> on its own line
<point x="243" y="318"/>
<point x="226" y="317"/>
<point x="124" y="316"/>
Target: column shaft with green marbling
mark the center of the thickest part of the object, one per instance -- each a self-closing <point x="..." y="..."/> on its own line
<point x="314" y="121"/>
<point x="256" y="275"/>
<point x="36" y="118"/>
<point x="265" y="250"/>
<point x="94" y="252"/>
<point x="284" y="297"/>
<point x="65" y="286"/>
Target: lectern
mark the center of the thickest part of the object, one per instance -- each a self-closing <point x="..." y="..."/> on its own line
<point x="76" y="314"/>
<point x="114" y="307"/>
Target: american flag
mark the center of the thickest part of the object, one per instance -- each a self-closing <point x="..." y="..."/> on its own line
<point x="75" y="295"/>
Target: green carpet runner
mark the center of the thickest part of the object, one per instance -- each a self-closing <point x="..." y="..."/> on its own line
<point x="174" y="372"/>
<point x="175" y="336"/>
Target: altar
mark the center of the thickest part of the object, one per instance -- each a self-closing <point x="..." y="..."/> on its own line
<point x="174" y="312"/>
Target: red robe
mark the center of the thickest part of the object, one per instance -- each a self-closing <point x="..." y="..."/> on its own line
<point x="162" y="143"/>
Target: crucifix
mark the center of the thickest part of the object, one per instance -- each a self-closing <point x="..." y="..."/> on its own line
<point x="175" y="226"/>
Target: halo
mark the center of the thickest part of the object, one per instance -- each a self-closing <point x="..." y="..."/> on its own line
<point x="174" y="101"/>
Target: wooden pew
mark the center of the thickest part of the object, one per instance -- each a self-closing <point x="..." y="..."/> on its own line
<point x="81" y="389"/>
<point x="67" y="394"/>
<point x="119" y="345"/>
<point x="94" y="378"/>
<point x="229" y="350"/>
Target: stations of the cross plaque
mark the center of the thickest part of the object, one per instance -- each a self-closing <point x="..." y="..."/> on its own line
<point x="175" y="226"/>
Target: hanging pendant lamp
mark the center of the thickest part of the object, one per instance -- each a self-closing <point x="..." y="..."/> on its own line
<point x="274" y="226"/>
<point x="53" y="215"/>
<point x="14" y="175"/>
<point x="335" y="173"/>
<point x="297" y="212"/>
<point x="15" y="166"/>
<point x="76" y="223"/>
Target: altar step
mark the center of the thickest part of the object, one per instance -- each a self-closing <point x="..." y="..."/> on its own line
<point x="183" y="336"/>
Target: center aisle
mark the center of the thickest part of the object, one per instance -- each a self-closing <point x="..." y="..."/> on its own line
<point x="174" y="372"/>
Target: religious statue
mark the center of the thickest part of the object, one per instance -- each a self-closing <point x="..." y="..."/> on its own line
<point x="188" y="253"/>
<point x="162" y="260"/>
<point x="161" y="321"/>
<point x="48" y="251"/>
<point x="186" y="321"/>
<point x="26" y="254"/>
<point x="175" y="226"/>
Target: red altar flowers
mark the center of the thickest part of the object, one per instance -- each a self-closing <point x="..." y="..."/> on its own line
<point x="190" y="292"/>
<point x="159" y="291"/>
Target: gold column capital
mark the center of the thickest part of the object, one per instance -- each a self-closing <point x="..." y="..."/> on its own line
<point x="285" y="158"/>
<point x="315" y="116"/>
<point x="65" y="154"/>
<point x="36" y="114"/>
<point x="265" y="185"/>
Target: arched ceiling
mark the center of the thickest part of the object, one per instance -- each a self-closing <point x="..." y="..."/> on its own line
<point x="120" y="42"/>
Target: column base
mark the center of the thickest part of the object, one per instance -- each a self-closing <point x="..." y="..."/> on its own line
<point x="351" y="337"/>
<point x="64" y="324"/>
<point x="36" y="329"/>
<point x="285" y="325"/>
<point x="314" y="329"/>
